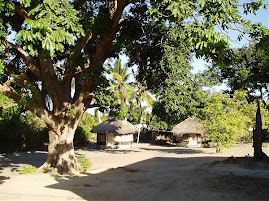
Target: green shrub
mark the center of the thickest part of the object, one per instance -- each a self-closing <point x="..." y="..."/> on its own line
<point x="83" y="134"/>
<point x="84" y="162"/>
<point x="227" y="119"/>
<point x="28" y="169"/>
<point x="81" y="137"/>
<point x="21" y="131"/>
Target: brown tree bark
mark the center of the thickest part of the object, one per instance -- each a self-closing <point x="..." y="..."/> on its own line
<point x="257" y="136"/>
<point x="61" y="155"/>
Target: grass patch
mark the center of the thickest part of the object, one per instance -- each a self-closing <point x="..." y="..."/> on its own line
<point x="28" y="169"/>
<point x="84" y="162"/>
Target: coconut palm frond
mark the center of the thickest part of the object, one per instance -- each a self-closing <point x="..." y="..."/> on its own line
<point x="149" y="100"/>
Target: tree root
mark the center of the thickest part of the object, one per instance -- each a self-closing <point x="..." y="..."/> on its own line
<point x="47" y="168"/>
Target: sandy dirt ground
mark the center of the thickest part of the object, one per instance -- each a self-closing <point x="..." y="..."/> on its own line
<point x="146" y="172"/>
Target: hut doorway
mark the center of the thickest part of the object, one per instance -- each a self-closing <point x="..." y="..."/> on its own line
<point x="193" y="140"/>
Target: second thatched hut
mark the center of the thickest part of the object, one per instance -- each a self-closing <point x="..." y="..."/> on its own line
<point x="114" y="133"/>
<point x="189" y="133"/>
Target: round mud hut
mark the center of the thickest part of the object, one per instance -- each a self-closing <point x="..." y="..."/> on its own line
<point x="189" y="133"/>
<point x="114" y="133"/>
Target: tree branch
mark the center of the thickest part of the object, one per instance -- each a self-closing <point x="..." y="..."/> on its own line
<point x="43" y="114"/>
<point x="50" y="81"/>
<point x="37" y="93"/>
<point x="70" y="67"/>
<point x="101" y="54"/>
<point x="28" y="60"/>
<point x="103" y="44"/>
<point x="40" y="111"/>
<point x="21" y="12"/>
<point x="8" y="91"/>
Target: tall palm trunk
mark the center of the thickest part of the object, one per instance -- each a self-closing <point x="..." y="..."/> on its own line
<point x="141" y="121"/>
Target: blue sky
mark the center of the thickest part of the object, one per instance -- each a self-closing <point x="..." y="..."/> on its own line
<point x="261" y="16"/>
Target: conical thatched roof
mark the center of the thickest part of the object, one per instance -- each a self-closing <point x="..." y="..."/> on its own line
<point x="114" y="126"/>
<point x="188" y="126"/>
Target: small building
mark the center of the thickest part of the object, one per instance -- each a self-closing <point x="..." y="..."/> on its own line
<point x="114" y="133"/>
<point x="189" y="133"/>
<point x="162" y="137"/>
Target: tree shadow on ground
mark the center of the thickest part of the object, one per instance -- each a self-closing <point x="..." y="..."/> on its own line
<point x="176" y="151"/>
<point x="117" y="151"/>
<point x="167" y="179"/>
<point x="13" y="161"/>
<point x="35" y="158"/>
<point x="2" y="178"/>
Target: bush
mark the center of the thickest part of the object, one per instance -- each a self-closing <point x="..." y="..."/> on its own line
<point x="81" y="137"/>
<point x="83" y="134"/>
<point x="28" y="169"/>
<point x="227" y="119"/>
<point x="21" y="131"/>
<point x="84" y="162"/>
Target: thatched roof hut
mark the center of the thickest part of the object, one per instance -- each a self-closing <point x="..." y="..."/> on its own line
<point x="114" y="133"/>
<point x="189" y="133"/>
<point x="114" y="125"/>
<point x="190" y="125"/>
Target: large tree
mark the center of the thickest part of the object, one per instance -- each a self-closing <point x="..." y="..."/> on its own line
<point x="249" y="71"/>
<point x="47" y="44"/>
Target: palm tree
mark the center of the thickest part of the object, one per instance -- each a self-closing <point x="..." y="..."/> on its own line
<point x="119" y="85"/>
<point x="142" y="96"/>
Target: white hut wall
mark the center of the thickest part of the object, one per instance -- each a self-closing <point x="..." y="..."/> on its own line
<point x="124" y="141"/>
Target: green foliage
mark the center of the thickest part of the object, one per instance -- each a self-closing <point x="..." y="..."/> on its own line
<point x="1" y="65"/>
<point x="134" y="113"/>
<point x="83" y="134"/>
<point x="157" y="124"/>
<point x="228" y="118"/>
<point x="21" y="131"/>
<point x="55" y="24"/>
<point x="84" y="162"/>
<point x="180" y="95"/>
<point x="249" y="71"/>
<point x="28" y="169"/>
<point x="265" y="116"/>
<point x="6" y="9"/>
<point x="119" y="85"/>
<point x="6" y="102"/>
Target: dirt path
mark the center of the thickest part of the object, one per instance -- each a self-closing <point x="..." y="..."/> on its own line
<point x="144" y="173"/>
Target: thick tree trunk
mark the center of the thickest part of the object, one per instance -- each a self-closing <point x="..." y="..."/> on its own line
<point x="257" y="136"/>
<point x="61" y="155"/>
